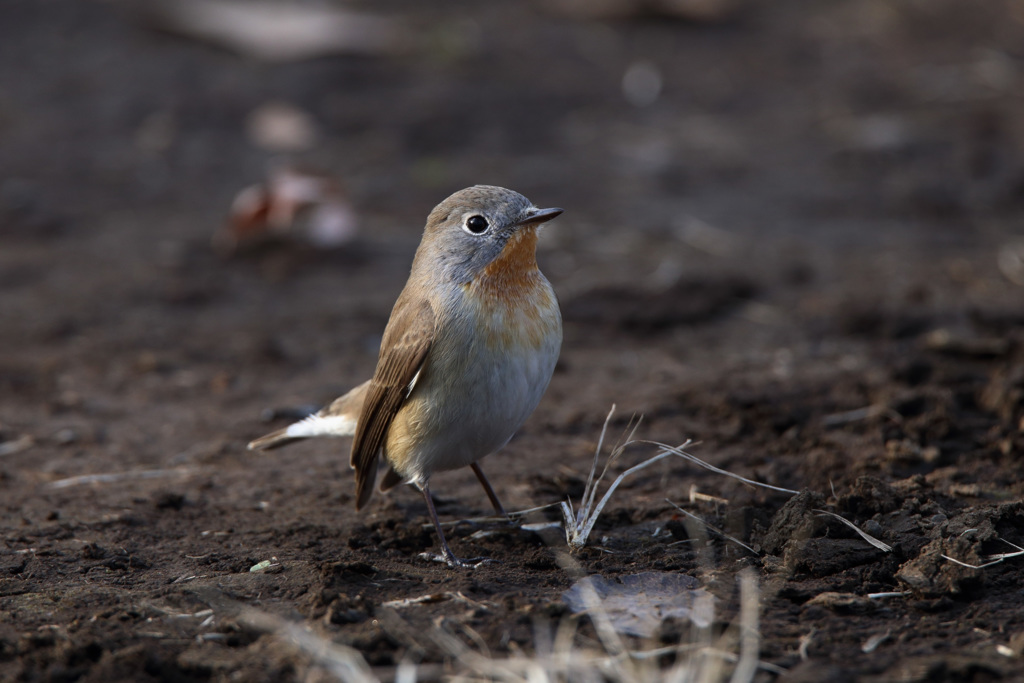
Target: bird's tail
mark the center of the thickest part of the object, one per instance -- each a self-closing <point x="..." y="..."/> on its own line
<point x="336" y="420"/>
<point x="273" y="440"/>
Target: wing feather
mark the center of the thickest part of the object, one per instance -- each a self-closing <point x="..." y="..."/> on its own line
<point x="407" y="340"/>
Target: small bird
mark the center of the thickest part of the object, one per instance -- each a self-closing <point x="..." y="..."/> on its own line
<point x="465" y="358"/>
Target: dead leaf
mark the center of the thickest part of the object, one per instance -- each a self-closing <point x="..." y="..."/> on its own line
<point x="293" y="204"/>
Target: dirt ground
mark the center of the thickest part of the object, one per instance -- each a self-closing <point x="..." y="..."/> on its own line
<point x="799" y="254"/>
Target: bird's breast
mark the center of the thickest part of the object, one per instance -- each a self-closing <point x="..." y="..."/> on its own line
<point x="510" y="302"/>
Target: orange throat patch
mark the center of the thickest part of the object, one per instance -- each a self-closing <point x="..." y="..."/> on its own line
<point x="516" y="265"/>
<point x="511" y="287"/>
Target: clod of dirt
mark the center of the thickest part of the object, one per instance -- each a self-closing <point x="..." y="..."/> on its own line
<point x="12" y="565"/>
<point x="796" y="520"/>
<point x="93" y="551"/>
<point x="339" y="577"/>
<point x="169" y="500"/>
<point x="797" y="534"/>
<point x="970" y="538"/>
<point x="827" y="556"/>
<point x="870" y="496"/>
<point x="341" y="612"/>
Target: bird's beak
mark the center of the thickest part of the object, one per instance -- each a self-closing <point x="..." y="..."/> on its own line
<point x="535" y="216"/>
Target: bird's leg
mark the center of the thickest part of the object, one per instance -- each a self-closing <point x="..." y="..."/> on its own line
<point x="490" y="491"/>
<point x="446" y="553"/>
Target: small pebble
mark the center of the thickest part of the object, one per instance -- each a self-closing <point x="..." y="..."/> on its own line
<point x="872" y="528"/>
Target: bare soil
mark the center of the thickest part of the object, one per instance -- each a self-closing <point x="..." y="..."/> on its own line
<point x="790" y="257"/>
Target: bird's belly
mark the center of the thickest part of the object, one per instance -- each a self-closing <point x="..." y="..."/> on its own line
<point x="473" y="396"/>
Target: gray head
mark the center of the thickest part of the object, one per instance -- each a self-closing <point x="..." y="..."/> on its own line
<point x="469" y="229"/>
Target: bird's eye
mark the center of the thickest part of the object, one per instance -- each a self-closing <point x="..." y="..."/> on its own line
<point x="476" y="225"/>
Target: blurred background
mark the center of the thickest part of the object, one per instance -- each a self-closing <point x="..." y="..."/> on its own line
<point x="848" y="123"/>
<point x="148" y="148"/>
<point x="207" y="207"/>
<point x="793" y="231"/>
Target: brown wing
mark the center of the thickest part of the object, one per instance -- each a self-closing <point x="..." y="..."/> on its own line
<point x="407" y="339"/>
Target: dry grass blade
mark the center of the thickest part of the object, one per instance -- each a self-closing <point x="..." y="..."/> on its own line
<point x="678" y="450"/>
<point x="344" y="662"/>
<point x="633" y="425"/>
<point x="968" y="565"/>
<point x="115" y="477"/>
<point x="848" y="416"/>
<point x="750" y="635"/>
<point x="872" y="643"/>
<point x="991" y="559"/>
<point x="805" y="644"/>
<point x="514" y="516"/>
<point x="610" y="639"/>
<point x="1019" y="551"/>
<point x="705" y="660"/>
<point x="578" y="525"/>
<point x="433" y="598"/>
<point x="23" y="442"/>
<point x="712" y="528"/>
<point x="889" y="594"/>
<point x="566" y="656"/>
<point x="884" y="547"/>
<point x="590" y="490"/>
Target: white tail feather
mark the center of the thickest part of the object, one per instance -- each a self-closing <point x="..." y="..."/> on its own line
<point x="319" y="425"/>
